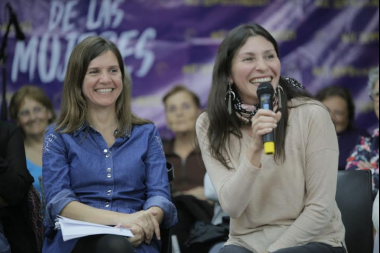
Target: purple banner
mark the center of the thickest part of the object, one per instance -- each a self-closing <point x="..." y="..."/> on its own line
<point x="169" y="42"/>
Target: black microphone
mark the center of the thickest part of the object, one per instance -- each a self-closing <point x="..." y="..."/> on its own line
<point x="265" y="93"/>
<point x="19" y="34"/>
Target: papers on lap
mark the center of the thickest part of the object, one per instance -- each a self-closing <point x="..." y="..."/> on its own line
<point x="72" y="229"/>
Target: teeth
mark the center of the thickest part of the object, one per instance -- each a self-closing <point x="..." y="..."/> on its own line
<point x="104" y="90"/>
<point x="261" y="80"/>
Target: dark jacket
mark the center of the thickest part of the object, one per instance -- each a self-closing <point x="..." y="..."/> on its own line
<point x="15" y="182"/>
<point x="189" y="174"/>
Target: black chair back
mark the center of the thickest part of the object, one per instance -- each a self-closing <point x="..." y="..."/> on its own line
<point x="354" y="198"/>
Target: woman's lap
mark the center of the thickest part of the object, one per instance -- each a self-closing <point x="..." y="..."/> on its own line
<point x="312" y="248"/>
<point x="4" y="246"/>
<point x="234" y="249"/>
<point x="103" y="243"/>
<point x="216" y="248"/>
<point x="309" y="248"/>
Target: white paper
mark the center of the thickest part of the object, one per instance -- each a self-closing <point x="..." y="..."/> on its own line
<point x="72" y="229"/>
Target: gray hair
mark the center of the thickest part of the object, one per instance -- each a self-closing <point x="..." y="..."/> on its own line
<point x="373" y="78"/>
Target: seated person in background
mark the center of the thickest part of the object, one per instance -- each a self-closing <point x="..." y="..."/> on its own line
<point x="15" y="182"/>
<point x="182" y="108"/>
<point x="366" y="154"/>
<point x="32" y="111"/>
<point x="101" y="163"/>
<point x="340" y="103"/>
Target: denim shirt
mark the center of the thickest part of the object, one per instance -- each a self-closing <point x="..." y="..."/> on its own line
<point x="128" y="177"/>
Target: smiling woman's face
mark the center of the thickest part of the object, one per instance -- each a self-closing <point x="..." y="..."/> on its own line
<point x="103" y="84"/>
<point x="255" y="62"/>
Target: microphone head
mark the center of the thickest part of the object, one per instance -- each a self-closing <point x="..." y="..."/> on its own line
<point x="265" y="88"/>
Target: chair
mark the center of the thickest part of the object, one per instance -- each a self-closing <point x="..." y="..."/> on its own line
<point x="165" y="233"/>
<point x="354" y="199"/>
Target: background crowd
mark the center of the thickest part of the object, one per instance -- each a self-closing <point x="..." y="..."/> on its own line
<point x="39" y="139"/>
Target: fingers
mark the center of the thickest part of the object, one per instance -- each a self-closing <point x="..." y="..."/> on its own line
<point x="139" y="236"/>
<point x="145" y="222"/>
<point x="156" y="227"/>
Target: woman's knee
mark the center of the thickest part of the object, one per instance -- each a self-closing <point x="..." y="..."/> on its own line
<point x="234" y="249"/>
<point x="114" y="244"/>
<point x="312" y="248"/>
<point x="4" y="246"/>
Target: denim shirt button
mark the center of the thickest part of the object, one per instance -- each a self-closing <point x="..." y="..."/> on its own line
<point x="109" y="175"/>
<point x="108" y="156"/>
<point x="109" y="170"/>
<point x="105" y="151"/>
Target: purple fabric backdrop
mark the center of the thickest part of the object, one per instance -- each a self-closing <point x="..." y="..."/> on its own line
<point x="169" y="42"/>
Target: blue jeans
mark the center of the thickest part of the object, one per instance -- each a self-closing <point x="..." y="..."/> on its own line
<point x="216" y="248"/>
<point x="309" y="248"/>
<point x="4" y="245"/>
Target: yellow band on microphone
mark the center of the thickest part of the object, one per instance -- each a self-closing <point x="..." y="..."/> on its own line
<point x="269" y="148"/>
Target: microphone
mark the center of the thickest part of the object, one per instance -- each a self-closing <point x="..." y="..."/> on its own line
<point x="13" y="19"/>
<point x="265" y="93"/>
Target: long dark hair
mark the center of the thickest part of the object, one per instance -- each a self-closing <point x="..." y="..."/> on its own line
<point x="221" y="123"/>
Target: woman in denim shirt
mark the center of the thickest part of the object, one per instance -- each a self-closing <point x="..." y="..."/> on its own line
<point x="101" y="163"/>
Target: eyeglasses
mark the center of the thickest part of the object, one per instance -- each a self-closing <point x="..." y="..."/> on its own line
<point x="374" y="95"/>
<point x="25" y="114"/>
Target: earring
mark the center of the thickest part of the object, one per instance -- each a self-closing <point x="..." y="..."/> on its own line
<point x="278" y="93"/>
<point x="230" y="96"/>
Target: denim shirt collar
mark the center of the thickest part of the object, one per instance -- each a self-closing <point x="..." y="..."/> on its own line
<point x="85" y="125"/>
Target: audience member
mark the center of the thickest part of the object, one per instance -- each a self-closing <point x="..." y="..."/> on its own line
<point x="32" y="110"/>
<point x="102" y="163"/>
<point x="283" y="203"/>
<point x="182" y="108"/>
<point x="16" y="228"/>
<point x="341" y="104"/>
<point x="366" y="154"/>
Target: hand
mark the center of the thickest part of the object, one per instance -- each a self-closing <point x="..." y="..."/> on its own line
<point x="364" y="165"/>
<point x="145" y="220"/>
<point x="139" y="236"/>
<point x="264" y="122"/>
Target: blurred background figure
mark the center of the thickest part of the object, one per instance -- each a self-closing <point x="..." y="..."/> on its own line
<point x="366" y="153"/>
<point x="16" y="227"/>
<point x="341" y="104"/>
<point x="32" y="111"/>
<point x="182" y="108"/>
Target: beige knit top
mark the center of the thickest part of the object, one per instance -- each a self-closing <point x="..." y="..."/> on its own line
<point x="281" y="205"/>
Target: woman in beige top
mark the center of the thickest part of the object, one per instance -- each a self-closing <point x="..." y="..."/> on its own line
<point x="283" y="203"/>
